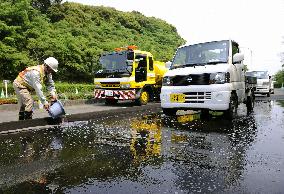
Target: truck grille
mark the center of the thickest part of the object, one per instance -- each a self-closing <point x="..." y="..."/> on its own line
<point x="261" y="88"/>
<point x="197" y="97"/>
<point x="193" y="79"/>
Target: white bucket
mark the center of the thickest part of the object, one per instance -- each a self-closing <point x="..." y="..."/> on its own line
<point x="56" y="110"/>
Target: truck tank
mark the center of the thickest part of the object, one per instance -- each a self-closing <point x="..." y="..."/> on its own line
<point x="160" y="69"/>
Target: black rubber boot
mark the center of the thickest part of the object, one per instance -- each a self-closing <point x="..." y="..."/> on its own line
<point x="28" y="115"/>
<point x="21" y="115"/>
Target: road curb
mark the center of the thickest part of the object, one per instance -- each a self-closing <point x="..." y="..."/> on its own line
<point x="15" y="126"/>
<point x="15" y="107"/>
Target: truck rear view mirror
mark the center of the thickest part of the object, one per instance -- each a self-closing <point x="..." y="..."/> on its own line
<point x="238" y="57"/>
<point x="168" y="64"/>
<point x="129" y="62"/>
<point x="139" y="59"/>
<point x="130" y="55"/>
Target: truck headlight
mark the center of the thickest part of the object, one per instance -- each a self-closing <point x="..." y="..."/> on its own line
<point x="125" y="86"/>
<point x="219" y="78"/>
<point x="167" y="81"/>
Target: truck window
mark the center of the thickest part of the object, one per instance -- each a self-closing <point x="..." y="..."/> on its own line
<point x="142" y="60"/>
<point x="201" y="54"/>
<point x="259" y="74"/>
<point x="151" y="66"/>
<point x="113" y="61"/>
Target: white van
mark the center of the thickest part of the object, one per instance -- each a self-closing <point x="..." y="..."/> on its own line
<point x="206" y="76"/>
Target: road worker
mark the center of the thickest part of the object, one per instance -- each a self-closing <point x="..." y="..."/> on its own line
<point x="32" y="79"/>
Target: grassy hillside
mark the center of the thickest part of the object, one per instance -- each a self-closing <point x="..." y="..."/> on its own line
<point x="76" y="34"/>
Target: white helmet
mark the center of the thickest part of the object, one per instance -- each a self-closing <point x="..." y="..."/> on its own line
<point x="52" y="63"/>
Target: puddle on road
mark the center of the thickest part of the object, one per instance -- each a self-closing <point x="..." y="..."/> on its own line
<point x="138" y="154"/>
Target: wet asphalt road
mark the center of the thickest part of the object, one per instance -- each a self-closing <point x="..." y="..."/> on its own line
<point x="150" y="154"/>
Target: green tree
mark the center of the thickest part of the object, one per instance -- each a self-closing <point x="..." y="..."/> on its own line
<point x="279" y="77"/>
<point x="75" y="34"/>
<point x="14" y="20"/>
<point x="44" y="5"/>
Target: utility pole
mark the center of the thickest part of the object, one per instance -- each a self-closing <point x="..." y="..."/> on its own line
<point x="6" y="87"/>
<point x="250" y="53"/>
<point x="282" y="77"/>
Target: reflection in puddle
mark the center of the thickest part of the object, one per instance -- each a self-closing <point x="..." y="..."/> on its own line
<point x="281" y="103"/>
<point x="146" y="137"/>
<point x="142" y="153"/>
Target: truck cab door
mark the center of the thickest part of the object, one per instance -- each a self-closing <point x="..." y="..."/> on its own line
<point x="141" y="69"/>
<point x="239" y="74"/>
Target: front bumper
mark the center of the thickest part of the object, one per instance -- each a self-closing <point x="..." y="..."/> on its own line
<point x="261" y="90"/>
<point x="213" y="97"/>
<point x="115" y="94"/>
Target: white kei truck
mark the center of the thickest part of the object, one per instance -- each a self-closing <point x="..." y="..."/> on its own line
<point x="207" y="76"/>
<point x="264" y="82"/>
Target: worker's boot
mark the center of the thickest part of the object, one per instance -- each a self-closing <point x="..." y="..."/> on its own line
<point x="21" y="115"/>
<point x="28" y="115"/>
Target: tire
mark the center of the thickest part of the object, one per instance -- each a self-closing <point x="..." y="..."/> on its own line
<point x="143" y="98"/>
<point x="111" y="101"/>
<point x="169" y="111"/>
<point x="204" y="114"/>
<point x="230" y="114"/>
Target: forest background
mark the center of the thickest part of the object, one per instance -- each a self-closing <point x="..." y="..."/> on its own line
<point x="76" y="35"/>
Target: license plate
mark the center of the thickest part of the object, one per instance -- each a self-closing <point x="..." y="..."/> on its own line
<point x="108" y="92"/>
<point x="177" y="98"/>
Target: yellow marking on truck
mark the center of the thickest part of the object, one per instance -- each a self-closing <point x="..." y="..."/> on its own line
<point x="110" y="85"/>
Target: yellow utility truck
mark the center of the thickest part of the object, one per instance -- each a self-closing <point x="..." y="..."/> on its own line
<point x="129" y="74"/>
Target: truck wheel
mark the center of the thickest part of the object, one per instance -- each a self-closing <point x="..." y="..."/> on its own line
<point x="233" y="106"/>
<point x="111" y="101"/>
<point x="204" y="114"/>
<point x="169" y="111"/>
<point x="143" y="98"/>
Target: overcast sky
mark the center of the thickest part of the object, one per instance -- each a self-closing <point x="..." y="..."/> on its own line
<point x="257" y="25"/>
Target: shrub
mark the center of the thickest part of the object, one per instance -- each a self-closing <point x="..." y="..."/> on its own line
<point x="64" y="90"/>
<point x="8" y="101"/>
<point x="71" y="88"/>
<point x="277" y="85"/>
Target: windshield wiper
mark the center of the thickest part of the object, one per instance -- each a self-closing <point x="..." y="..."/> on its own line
<point x="194" y="64"/>
<point x="215" y="62"/>
<point x="202" y="64"/>
<point x="121" y="70"/>
<point x="188" y="65"/>
<point x="128" y="71"/>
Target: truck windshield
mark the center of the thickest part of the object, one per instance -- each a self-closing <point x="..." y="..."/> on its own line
<point x="116" y="61"/>
<point x="202" y="54"/>
<point x="258" y="74"/>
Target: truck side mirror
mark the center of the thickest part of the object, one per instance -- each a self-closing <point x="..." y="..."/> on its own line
<point x="168" y="64"/>
<point x="129" y="62"/>
<point x="139" y="59"/>
<point x="238" y="57"/>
